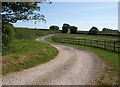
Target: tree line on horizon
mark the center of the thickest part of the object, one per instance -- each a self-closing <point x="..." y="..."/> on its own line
<point x="66" y="28"/>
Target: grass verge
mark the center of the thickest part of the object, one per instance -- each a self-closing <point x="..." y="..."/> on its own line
<point x="23" y="54"/>
<point x="108" y="73"/>
<point x="108" y="56"/>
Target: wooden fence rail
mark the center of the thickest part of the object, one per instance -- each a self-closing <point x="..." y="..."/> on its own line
<point x="108" y="45"/>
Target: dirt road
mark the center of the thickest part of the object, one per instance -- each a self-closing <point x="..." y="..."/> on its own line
<point x="70" y="67"/>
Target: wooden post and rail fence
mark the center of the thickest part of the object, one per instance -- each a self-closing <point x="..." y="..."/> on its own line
<point x="107" y="45"/>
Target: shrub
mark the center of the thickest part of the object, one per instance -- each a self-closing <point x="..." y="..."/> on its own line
<point x="65" y="28"/>
<point x="109" y="31"/>
<point x="93" y="31"/>
<point x="7" y="33"/>
<point x="54" y="27"/>
<point x="73" y="30"/>
<point x="24" y="33"/>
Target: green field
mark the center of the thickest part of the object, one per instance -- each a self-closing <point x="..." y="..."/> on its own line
<point x="93" y="37"/>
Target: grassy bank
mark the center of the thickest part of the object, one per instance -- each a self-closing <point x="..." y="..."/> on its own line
<point x="23" y="54"/>
<point x="108" y="74"/>
<point x="23" y="51"/>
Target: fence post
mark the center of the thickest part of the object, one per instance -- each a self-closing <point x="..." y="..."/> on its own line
<point x="97" y="43"/>
<point x="91" y="42"/>
<point x="85" y="41"/>
<point x="73" y="40"/>
<point x="78" y="41"/>
<point x="114" y="45"/>
<point x="104" y="44"/>
<point x="68" y="40"/>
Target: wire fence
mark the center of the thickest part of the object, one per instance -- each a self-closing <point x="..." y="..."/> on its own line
<point x="108" y="45"/>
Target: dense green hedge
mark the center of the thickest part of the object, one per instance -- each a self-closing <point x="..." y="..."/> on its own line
<point x="26" y="33"/>
<point x="8" y="33"/>
<point x="54" y="27"/>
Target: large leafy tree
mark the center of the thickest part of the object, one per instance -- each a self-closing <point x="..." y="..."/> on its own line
<point x="65" y="28"/>
<point x="93" y="31"/>
<point x="14" y="11"/>
<point x="73" y="29"/>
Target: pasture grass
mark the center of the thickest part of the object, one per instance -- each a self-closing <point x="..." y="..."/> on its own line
<point x="91" y="37"/>
<point x="22" y="54"/>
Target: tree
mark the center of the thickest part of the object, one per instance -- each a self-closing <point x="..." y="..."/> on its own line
<point x="53" y="27"/>
<point x="14" y="11"/>
<point x="7" y="33"/>
<point x="104" y="29"/>
<point x="109" y="31"/>
<point x="73" y="29"/>
<point x="65" y="28"/>
<point x="93" y="31"/>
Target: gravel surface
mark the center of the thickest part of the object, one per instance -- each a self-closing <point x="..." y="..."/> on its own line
<point x="70" y="67"/>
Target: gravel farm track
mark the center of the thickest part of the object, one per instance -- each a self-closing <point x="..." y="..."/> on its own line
<point x="70" y="67"/>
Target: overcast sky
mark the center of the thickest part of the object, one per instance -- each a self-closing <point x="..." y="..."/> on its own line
<point x="84" y="15"/>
